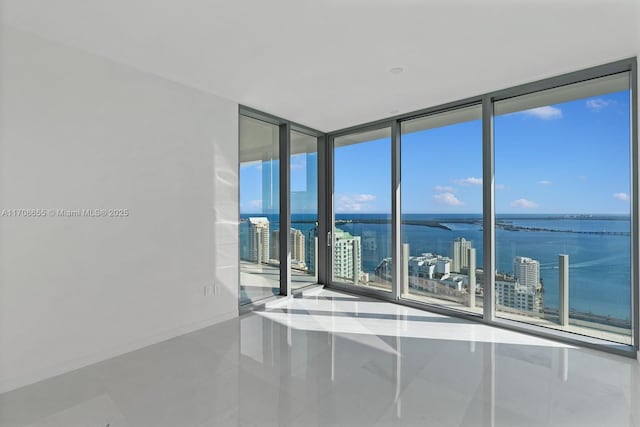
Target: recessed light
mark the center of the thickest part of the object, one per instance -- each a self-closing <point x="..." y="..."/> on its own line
<point x="396" y="70"/>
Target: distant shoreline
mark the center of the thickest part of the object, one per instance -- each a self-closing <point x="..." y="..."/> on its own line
<point x="501" y="224"/>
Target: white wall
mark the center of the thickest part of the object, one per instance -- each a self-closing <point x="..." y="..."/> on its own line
<point x="79" y="131"/>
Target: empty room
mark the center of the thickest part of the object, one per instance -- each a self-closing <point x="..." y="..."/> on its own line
<point x="319" y="213"/>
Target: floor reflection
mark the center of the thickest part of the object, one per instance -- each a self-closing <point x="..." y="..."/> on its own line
<point x="333" y="359"/>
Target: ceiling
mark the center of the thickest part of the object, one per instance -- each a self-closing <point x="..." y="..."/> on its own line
<point x="326" y="63"/>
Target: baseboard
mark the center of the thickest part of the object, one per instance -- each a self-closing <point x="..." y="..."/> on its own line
<point x="14" y="383"/>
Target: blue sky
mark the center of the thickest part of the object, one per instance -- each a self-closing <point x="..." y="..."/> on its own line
<point x="566" y="158"/>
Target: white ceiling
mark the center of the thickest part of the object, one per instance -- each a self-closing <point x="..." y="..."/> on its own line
<point x="325" y="63"/>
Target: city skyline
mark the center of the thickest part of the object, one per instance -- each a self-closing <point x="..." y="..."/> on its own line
<point x="586" y="266"/>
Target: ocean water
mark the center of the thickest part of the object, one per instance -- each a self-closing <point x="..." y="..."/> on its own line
<point x="599" y="264"/>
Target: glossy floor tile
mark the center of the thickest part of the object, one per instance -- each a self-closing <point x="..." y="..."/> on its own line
<point x="332" y="359"/>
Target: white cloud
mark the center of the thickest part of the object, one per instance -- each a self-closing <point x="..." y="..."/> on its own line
<point x="598" y="104"/>
<point x="524" y="203"/>
<point x="545" y="182"/>
<point x="364" y="197"/>
<point x="545" y="113"/>
<point x="447" y="199"/>
<point x="468" y="181"/>
<point x="444" y="189"/>
<point x="255" y="204"/>
<point x="353" y="202"/>
<point x="621" y="196"/>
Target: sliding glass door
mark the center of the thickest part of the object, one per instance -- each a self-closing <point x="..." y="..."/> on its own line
<point x="516" y="206"/>
<point x="441" y="234"/>
<point x="303" y="239"/>
<point x="277" y="197"/>
<point x="259" y="209"/>
<point x="361" y="236"/>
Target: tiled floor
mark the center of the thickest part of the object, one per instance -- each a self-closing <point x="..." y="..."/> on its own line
<point x="333" y="359"/>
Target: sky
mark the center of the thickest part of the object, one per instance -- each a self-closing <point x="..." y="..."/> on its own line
<point x="571" y="157"/>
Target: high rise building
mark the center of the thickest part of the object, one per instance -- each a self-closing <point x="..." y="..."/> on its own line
<point x="424" y="266"/>
<point x="310" y="248"/>
<point x="296" y="240"/>
<point x="347" y="262"/>
<point x="512" y="294"/>
<point x="460" y="254"/>
<point x="526" y="271"/>
<point x="297" y="246"/>
<point x="258" y="245"/>
<point x="274" y="245"/>
<point x="522" y="290"/>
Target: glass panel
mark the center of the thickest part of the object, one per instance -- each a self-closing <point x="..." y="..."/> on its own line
<point x="362" y="204"/>
<point x="259" y="210"/>
<point x="441" y="206"/>
<point x="304" y="209"/>
<point x="563" y="156"/>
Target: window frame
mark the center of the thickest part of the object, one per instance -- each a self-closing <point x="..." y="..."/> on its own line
<point x="487" y="101"/>
<point x="284" y="152"/>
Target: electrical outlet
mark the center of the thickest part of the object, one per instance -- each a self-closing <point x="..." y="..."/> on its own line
<point x="208" y="290"/>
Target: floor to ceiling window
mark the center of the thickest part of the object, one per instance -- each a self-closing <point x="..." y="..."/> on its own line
<point x="304" y="209"/>
<point x="361" y="237"/>
<point x="540" y="177"/>
<point x="441" y="233"/>
<point x="517" y="206"/>
<point x="563" y="215"/>
<point x="272" y="263"/>
<point x="259" y="209"/>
